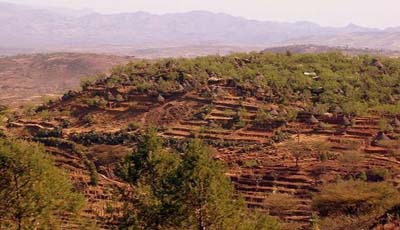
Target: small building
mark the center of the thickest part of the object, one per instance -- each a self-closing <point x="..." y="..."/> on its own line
<point x="381" y="136"/>
<point x="312" y="120"/>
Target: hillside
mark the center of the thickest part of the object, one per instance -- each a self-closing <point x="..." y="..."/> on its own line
<point x="316" y="49"/>
<point x="386" y="39"/>
<point x="29" y="78"/>
<point x="45" y="30"/>
<point x="284" y="125"/>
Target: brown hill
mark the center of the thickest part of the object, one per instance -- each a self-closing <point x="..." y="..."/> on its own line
<point x="249" y="127"/>
<point x="27" y="78"/>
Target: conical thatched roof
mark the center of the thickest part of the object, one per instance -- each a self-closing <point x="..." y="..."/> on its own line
<point x="392" y="99"/>
<point x="335" y="109"/>
<point x="273" y="112"/>
<point x="312" y="120"/>
<point x="396" y="122"/>
<point x="381" y="136"/>
<point x="377" y="63"/>
<point x="345" y="121"/>
<point x="160" y="99"/>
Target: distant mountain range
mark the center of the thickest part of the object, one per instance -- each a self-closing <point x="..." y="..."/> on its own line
<point x="31" y="29"/>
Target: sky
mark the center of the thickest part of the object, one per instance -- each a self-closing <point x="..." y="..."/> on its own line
<point x="370" y="13"/>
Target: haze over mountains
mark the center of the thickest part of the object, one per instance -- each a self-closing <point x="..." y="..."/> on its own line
<point x="27" y="29"/>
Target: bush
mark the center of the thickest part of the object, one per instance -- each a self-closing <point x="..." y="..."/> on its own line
<point x="94" y="137"/>
<point x="324" y="157"/>
<point x="119" y="98"/>
<point x="65" y="123"/>
<point x="351" y="157"/>
<point x="133" y="126"/>
<point x="281" y="203"/>
<point x="250" y="163"/>
<point x="68" y="95"/>
<point x="88" y="119"/>
<point x="354" y="198"/>
<point x="44" y="115"/>
<point x="96" y="102"/>
<point x="362" y="176"/>
<point x="280" y="136"/>
<point x="377" y="174"/>
<point x="384" y="126"/>
<point x="56" y="132"/>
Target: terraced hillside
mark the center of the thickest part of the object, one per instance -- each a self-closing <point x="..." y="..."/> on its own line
<point x="283" y="124"/>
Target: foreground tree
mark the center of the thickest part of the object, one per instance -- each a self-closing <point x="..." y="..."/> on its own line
<point x="33" y="192"/>
<point x="184" y="189"/>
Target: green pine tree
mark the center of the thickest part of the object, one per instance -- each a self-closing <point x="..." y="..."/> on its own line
<point x="183" y="190"/>
<point x="33" y="192"/>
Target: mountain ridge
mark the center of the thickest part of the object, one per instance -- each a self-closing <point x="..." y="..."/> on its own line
<point x="47" y="30"/>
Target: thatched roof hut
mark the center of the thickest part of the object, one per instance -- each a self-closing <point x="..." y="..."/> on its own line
<point x="312" y="120"/>
<point x="381" y="136"/>
<point x="273" y="112"/>
<point x="160" y="99"/>
<point x="345" y="121"/>
<point x="375" y="62"/>
<point x="336" y="109"/>
<point x="396" y="123"/>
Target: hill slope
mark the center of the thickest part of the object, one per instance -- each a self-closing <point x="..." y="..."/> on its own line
<point x="249" y="107"/>
<point x="27" y="78"/>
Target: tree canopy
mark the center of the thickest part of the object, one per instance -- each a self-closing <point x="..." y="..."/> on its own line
<point x="183" y="188"/>
<point x="34" y="193"/>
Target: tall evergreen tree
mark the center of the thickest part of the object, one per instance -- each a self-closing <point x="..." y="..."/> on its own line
<point x="184" y="190"/>
<point x="33" y="192"/>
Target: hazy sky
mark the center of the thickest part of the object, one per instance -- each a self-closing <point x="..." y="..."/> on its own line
<point x="372" y="13"/>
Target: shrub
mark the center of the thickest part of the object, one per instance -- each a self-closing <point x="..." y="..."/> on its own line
<point x="280" y="136"/>
<point x="44" y="115"/>
<point x="280" y="203"/>
<point x="109" y="208"/>
<point x="133" y="126"/>
<point x="229" y="112"/>
<point x="65" y="123"/>
<point x="384" y="126"/>
<point x="362" y="176"/>
<point x="88" y="119"/>
<point x="324" y="157"/>
<point x="119" y="98"/>
<point x="68" y="95"/>
<point x="354" y="198"/>
<point x="86" y="82"/>
<point x="250" y="163"/>
<point x="351" y="157"/>
<point x="94" y="137"/>
<point x="377" y="174"/>
<point x="96" y="102"/>
<point x="56" y="132"/>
